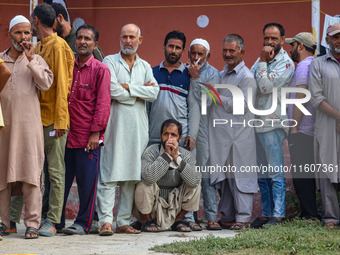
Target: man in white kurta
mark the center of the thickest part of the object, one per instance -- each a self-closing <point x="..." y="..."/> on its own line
<point x="126" y="136"/>
<point x="21" y="142"/>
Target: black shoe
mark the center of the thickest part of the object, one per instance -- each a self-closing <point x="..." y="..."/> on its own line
<point x="258" y="223"/>
<point x="273" y="221"/>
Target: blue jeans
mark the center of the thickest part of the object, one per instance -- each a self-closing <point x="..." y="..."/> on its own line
<point x="209" y="198"/>
<point x="272" y="182"/>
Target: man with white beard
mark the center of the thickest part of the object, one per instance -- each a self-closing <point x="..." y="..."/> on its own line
<point x="126" y="136"/>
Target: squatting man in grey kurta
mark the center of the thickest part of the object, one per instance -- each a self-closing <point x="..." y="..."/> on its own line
<point x="170" y="185"/>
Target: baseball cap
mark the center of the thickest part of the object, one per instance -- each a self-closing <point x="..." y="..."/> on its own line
<point x="307" y="39"/>
<point x="333" y="29"/>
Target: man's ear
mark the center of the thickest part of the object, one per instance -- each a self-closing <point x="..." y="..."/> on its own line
<point x="208" y="56"/>
<point x="327" y="39"/>
<point x="180" y="138"/>
<point x="283" y="40"/>
<point x="95" y="45"/>
<point x="140" y="40"/>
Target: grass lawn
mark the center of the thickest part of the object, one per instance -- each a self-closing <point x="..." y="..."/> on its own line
<point x="291" y="237"/>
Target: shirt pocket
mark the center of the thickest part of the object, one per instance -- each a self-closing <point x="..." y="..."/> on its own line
<point x="84" y="92"/>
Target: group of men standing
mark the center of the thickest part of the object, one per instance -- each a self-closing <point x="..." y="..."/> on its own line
<point x="71" y="104"/>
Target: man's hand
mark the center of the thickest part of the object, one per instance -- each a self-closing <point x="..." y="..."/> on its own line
<point x="28" y="49"/>
<point x="171" y="147"/>
<point x="93" y="141"/>
<point x="149" y="83"/>
<point x="125" y="86"/>
<point x="194" y="71"/>
<point x="59" y="132"/>
<point x="294" y="130"/>
<point x="338" y="127"/>
<point x="267" y="54"/>
<point x="190" y="143"/>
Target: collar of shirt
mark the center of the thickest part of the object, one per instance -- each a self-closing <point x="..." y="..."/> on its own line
<point x="49" y="39"/>
<point x="122" y="61"/>
<point x="329" y="55"/>
<point x="236" y="69"/>
<point x="181" y="68"/>
<point x="87" y="63"/>
<point x="8" y="59"/>
<point x="172" y="163"/>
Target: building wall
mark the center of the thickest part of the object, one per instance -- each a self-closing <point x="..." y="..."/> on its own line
<point x="156" y="18"/>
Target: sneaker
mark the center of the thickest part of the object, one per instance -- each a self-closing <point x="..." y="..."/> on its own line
<point x="13" y="227"/>
<point x="47" y="229"/>
<point x="273" y="221"/>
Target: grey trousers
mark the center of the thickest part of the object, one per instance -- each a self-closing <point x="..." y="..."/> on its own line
<point x="235" y="205"/>
<point x="330" y="204"/>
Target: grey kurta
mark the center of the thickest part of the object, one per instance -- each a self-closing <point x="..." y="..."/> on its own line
<point x="324" y="84"/>
<point x="22" y="142"/>
<point x="239" y="139"/>
<point x="198" y="128"/>
<point x="126" y="135"/>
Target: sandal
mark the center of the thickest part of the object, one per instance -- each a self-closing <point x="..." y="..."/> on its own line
<point x="126" y="229"/>
<point x="213" y="225"/>
<point x="147" y="227"/>
<point x="225" y="225"/>
<point x="193" y="226"/>
<point x="330" y="225"/>
<point x="238" y="226"/>
<point x="180" y="226"/>
<point x="31" y="231"/>
<point x="106" y="230"/>
<point x="74" y="229"/>
<point x="136" y="225"/>
<point x="4" y="231"/>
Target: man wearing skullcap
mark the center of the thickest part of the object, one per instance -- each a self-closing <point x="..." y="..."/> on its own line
<point x="22" y="154"/>
<point x="202" y="72"/>
<point x="54" y="108"/>
<point x="324" y="79"/>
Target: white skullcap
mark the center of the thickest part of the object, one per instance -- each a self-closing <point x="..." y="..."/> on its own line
<point x="18" y="19"/>
<point x="202" y="42"/>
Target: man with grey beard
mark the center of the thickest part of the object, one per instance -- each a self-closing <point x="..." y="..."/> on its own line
<point x="324" y="78"/>
<point x="126" y="136"/>
<point x="22" y="144"/>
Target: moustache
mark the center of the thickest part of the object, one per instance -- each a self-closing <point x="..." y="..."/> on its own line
<point x="82" y="45"/>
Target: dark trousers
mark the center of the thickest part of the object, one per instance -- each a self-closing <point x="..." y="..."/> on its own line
<point x="85" y="167"/>
<point x="301" y="149"/>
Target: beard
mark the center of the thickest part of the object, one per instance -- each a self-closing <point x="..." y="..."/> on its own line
<point x="277" y="48"/>
<point x="59" y="29"/>
<point x="170" y="60"/>
<point x="128" y="51"/>
<point x="334" y="49"/>
<point x="295" y="56"/>
<point x="16" y="45"/>
<point x="203" y="63"/>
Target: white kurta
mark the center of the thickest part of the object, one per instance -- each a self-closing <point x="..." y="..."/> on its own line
<point x="126" y="135"/>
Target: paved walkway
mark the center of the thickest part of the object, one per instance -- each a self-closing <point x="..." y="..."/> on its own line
<point x="120" y="244"/>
